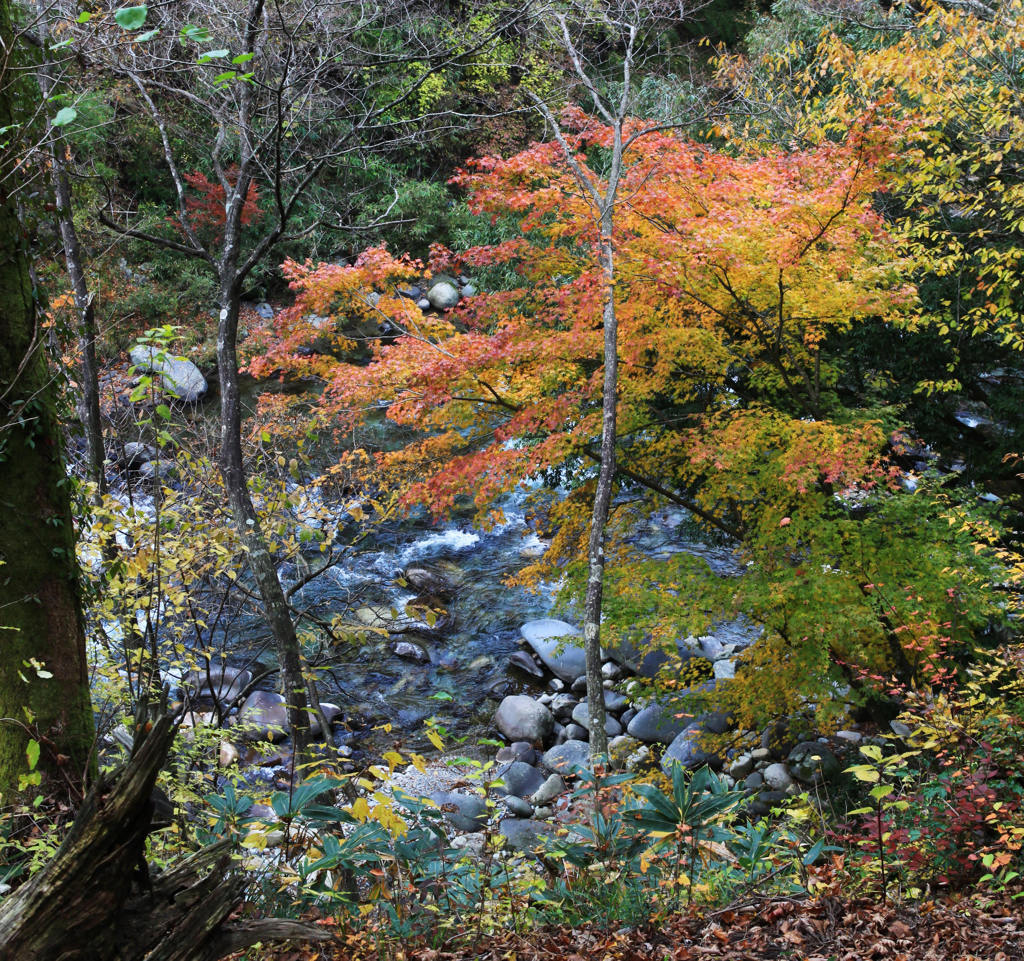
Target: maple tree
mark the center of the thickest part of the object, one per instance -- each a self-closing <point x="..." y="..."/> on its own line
<point x="733" y="275"/>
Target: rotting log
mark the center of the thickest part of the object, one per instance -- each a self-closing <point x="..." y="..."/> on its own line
<point x="94" y="901"/>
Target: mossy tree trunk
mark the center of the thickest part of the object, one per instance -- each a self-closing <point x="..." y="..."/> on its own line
<point x="44" y="691"/>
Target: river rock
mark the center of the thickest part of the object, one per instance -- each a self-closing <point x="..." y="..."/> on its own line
<point x="431" y="579"/>
<point x="685" y="749"/>
<point x="576" y="732"/>
<point x="581" y="715"/>
<point x="562" y="706"/>
<point x="155" y="470"/>
<point x="812" y="762"/>
<point x="465" y="812"/>
<point x="548" y="791"/>
<point x="662" y="721"/>
<point x="135" y="454"/>
<point x="567" y="757"/>
<point x="725" y="669"/>
<point x="579" y="686"/>
<point x="777" y="777"/>
<point x="518" y="778"/>
<point x="468" y="290"/>
<point x="264" y="311"/>
<point x="741" y="766"/>
<point x="443" y="295"/>
<point x="517" y="806"/>
<point x="715" y="722"/>
<point x="525" y="663"/>
<point x="227" y="754"/>
<point x="178" y="375"/>
<point x="265" y="716"/>
<point x="330" y="712"/>
<point x="521" y="718"/>
<point x="646" y="661"/>
<point x="614" y="702"/>
<point x="558" y="645"/>
<point x="517" y="751"/>
<point x="524" y="835"/>
<point x="220" y="682"/>
<point x="410" y="651"/>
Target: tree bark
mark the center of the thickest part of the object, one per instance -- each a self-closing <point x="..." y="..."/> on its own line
<point x="89" y="401"/>
<point x="247" y="522"/>
<point x="94" y="901"/>
<point x="41" y="628"/>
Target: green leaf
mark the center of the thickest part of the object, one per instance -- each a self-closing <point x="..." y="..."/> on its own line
<point x="163" y="411"/>
<point x="199" y="34"/>
<point x="32" y="753"/>
<point x="148" y="35"/>
<point x="84" y="17"/>
<point x="131" y="18"/>
<point x="64" y="116"/>
<point x="212" y="55"/>
<point x="242" y="58"/>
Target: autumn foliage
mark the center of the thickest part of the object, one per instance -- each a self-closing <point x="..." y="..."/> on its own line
<point x="734" y="276"/>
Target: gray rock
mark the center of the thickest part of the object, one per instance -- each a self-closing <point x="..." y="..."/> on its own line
<point x="265" y="716"/>
<point x="754" y="782"/>
<point x="581" y="715"/>
<point x="647" y="661"/>
<point x="410" y="651"/>
<point x="579" y="686"/>
<point x="715" y="722"/>
<point x="518" y="778"/>
<point x="777" y="777"/>
<point x="610" y="670"/>
<point x="423" y="303"/>
<point x="760" y="754"/>
<point x="443" y="295"/>
<point x="525" y="663"/>
<point x="627" y="716"/>
<point x="685" y="749"/>
<point x="135" y="454"/>
<point x="725" y="669"/>
<point x="614" y="702"/>
<point x="411" y="291"/>
<point x="330" y="712"/>
<point x="524" y="835"/>
<point x="778" y="739"/>
<point x="468" y="290"/>
<point x="264" y="311"/>
<point x="465" y="812"/>
<point x="562" y="705"/>
<point x="741" y="766"/>
<point x="220" y="682"/>
<point x="178" y="375"/>
<point x="154" y="470"/>
<point x="548" y="791"/>
<point x="432" y="579"/>
<point x="851" y="737"/>
<point x="576" y="732"/>
<point x="663" y="721"/>
<point x="558" y="645"/>
<point x="813" y="762"/>
<point x="517" y="806"/>
<point x="521" y="718"/>
<point x="517" y="751"/>
<point x="566" y="758"/>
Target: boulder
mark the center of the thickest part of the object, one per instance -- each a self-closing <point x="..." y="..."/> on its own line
<point x="443" y="295"/>
<point x="646" y="661"/>
<point x="562" y="705"/>
<point x="465" y="812"/>
<point x="662" y="721"/>
<point x="220" y="682"/>
<point x="410" y="651"/>
<point x="518" y="778"/>
<point x="521" y="718"/>
<point x="154" y="470"/>
<point x="812" y="762"/>
<point x="523" y="662"/>
<point x="264" y="311"/>
<point x="135" y="454"/>
<point x="576" y="732"/>
<point x="558" y="645"/>
<point x="777" y="777"/>
<point x="548" y="791"/>
<point x="178" y="375"/>
<point x="567" y="757"/>
<point x="685" y="749"/>
<point x="524" y="834"/>
<point x="581" y="715"/>
<point x="431" y="579"/>
<point x="330" y="713"/>
<point x="517" y="807"/>
<point x="517" y="751"/>
<point x="265" y="716"/>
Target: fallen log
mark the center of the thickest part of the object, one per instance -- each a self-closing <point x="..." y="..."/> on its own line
<point x="95" y="901"/>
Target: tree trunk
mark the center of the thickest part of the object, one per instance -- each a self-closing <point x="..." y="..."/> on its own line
<point x="44" y="689"/>
<point x="275" y="605"/>
<point x="94" y="901"/>
<point x="89" y="401"/>
<point x="603" y="491"/>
